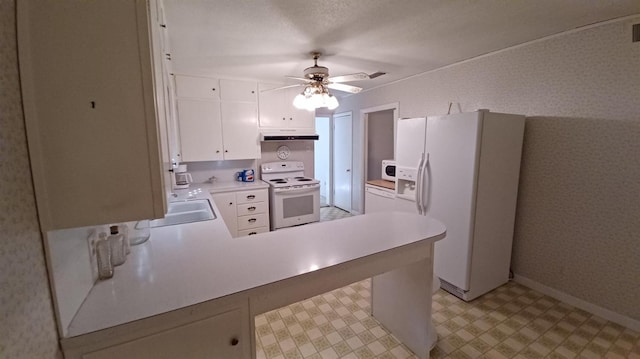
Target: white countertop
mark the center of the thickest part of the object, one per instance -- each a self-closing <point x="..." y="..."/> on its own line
<point x="229" y="186"/>
<point x="192" y="263"/>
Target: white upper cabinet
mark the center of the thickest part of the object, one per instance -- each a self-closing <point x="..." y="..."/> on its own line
<point x="217" y="119"/>
<point x="200" y="130"/>
<point x="276" y="109"/>
<point x="88" y="91"/>
<point x="198" y="87"/>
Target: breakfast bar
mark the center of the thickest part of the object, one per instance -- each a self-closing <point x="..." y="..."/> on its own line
<point x="192" y="290"/>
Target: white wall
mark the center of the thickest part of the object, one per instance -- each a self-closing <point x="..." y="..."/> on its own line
<point x="577" y="217"/>
<point x="322" y="155"/>
<point x="27" y="323"/>
<point x="380" y="142"/>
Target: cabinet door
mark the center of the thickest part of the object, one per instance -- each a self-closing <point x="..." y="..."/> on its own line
<point x="87" y="83"/>
<point x="200" y="130"/>
<point x="226" y="203"/>
<point x="216" y="337"/>
<point x="197" y="87"/>
<point x="244" y="91"/>
<point x="271" y="107"/>
<point x="297" y="118"/>
<point x="240" y="130"/>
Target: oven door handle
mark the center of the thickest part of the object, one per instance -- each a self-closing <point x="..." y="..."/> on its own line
<point x="296" y="191"/>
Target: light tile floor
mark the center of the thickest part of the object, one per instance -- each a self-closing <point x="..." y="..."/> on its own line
<point x="512" y="321"/>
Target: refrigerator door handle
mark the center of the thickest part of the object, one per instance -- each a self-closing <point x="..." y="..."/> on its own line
<point x="419" y="184"/>
<point x="424" y="184"/>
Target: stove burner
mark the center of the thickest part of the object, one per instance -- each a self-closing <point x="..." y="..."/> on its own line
<point x="299" y="177"/>
<point x="302" y="179"/>
<point x="278" y="180"/>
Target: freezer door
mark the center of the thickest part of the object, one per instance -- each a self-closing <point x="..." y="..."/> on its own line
<point x="410" y="141"/>
<point x="448" y="195"/>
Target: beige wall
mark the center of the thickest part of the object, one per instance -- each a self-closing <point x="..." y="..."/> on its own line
<point x="577" y="227"/>
<point x="27" y="324"/>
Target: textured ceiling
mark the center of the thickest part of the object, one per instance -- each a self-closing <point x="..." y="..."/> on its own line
<point x="268" y="39"/>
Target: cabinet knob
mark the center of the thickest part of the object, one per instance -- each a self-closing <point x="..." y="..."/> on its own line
<point x="234" y="341"/>
<point x="225" y="151"/>
<point x="284" y="119"/>
<point x="231" y="203"/>
<point x="290" y="118"/>
<point x="218" y="151"/>
<point x="213" y="89"/>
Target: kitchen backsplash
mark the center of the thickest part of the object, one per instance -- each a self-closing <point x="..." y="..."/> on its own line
<point x="224" y="171"/>
<point x="299" y="151"/>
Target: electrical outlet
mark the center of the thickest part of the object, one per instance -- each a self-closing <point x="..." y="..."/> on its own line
<point x="92" y="239"/>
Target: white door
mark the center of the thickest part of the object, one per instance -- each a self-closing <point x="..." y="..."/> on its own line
<point x="342" y="155"/>
<point x="322" y="159"/>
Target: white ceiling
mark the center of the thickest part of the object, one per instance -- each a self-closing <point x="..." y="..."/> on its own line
<point x="268" y="39"/>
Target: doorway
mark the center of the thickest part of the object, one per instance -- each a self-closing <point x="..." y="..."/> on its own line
<point x="333" y="160"/>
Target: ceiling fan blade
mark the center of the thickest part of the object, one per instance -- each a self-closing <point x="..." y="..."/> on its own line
<point x="345" y="88"/>
<point x="282" y="88"/>
<point x="297" y="78"/>
<point x="352" y="77"/>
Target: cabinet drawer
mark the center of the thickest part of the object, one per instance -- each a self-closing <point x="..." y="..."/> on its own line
<point x="252" y="221"/>
<point x="252" y="208"/>
<point x="251" y="196"/>
<point x="197" y="87"/>
<point x="253" y="231"/>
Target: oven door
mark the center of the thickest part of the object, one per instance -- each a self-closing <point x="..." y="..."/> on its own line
<point x="291" y="207"/>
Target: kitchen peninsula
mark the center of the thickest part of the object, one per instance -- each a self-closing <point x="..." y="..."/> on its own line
<point x="192" y="289"/>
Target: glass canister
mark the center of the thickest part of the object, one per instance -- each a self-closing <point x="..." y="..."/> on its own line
<point x="103" y="252"/>
<point x="118" y="247"/>
<point x="140" y="233"/>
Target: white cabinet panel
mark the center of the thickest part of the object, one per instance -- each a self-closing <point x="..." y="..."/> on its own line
<point x="240" y="130"/>
<point x="226" y="203"/>
<point x="217" y="337"/>
<point x="197" y="87"/>
<point x="233" y="90"/>
<point x="276" y="109"/>
<point x="87" y="86"/>
<point x="200" y="125"/>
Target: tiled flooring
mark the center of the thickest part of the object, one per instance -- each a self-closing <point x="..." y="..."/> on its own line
<point x="512" y="321"/>
<point x="331" y="213"/>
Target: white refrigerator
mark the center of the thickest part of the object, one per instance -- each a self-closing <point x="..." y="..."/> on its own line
<point x="463" y="170"/>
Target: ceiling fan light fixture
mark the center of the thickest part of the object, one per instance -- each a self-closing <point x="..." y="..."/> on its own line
<point x="315" y="96"/>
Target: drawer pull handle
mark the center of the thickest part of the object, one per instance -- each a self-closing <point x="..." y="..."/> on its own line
<point x="252" y="208"/>
<point x="234" y="341"/>
<point x="252" y="220"/>
<point x="252" y="233"/>
<point x="251" y="196"/>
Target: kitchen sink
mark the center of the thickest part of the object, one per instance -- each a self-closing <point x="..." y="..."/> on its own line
<point x="185" y="212"/>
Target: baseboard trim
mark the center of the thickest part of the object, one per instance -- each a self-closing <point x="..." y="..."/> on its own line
<point x="355" y="213"/>
<point x="579" y="303"/>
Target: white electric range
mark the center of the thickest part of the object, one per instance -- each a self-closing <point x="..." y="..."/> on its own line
<point x="294" y="199"/>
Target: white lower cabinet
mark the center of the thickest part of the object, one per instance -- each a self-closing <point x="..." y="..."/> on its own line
<point x="219" y="336"/>
<point x="244" y="212"/>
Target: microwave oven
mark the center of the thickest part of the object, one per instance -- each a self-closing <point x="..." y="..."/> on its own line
<point x="389" y="170"/>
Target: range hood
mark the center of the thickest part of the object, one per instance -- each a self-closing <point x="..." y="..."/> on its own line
<point x="288" y="134"/>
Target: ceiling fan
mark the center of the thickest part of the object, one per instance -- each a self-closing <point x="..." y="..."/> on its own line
<point x="317" y="81"/>
<point x="320" y="75"/>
